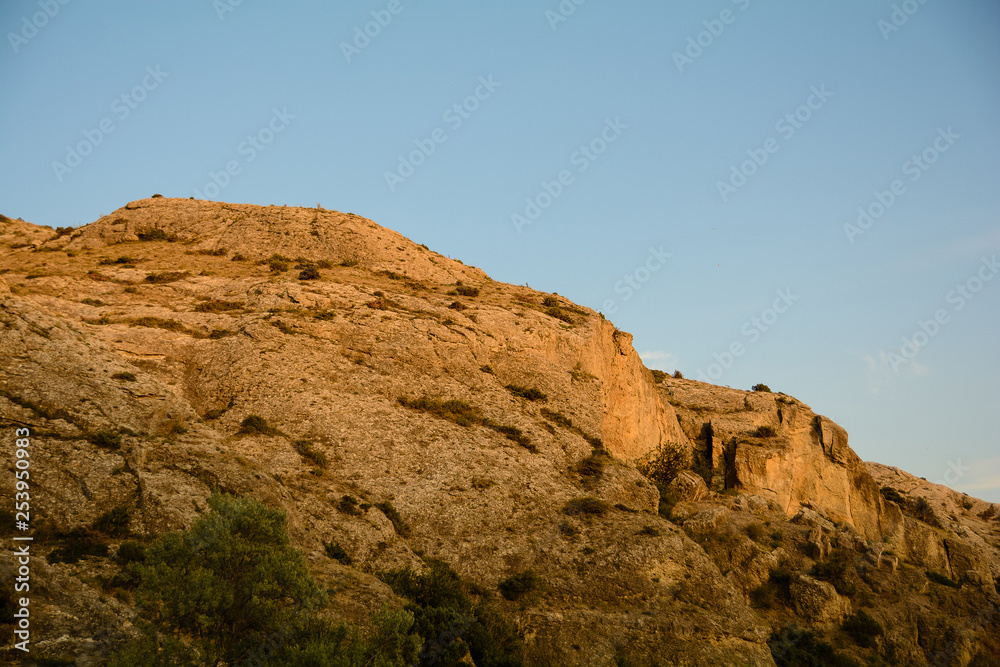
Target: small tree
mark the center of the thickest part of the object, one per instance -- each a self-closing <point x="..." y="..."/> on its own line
<point x="224" y="587"/>
<point x="664" y="463"/>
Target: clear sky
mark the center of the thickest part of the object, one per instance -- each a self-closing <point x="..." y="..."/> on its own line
<point x="693" y="170"/>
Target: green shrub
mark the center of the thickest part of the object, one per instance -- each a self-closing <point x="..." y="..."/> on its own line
<point x="765" y="432"/>
<point x="761" y="387"/>
<point x="467" y="290"/>
<point x="165" y="277"/>
<point x="399" y="525"/>
<point x="306" y="451"/>
<point x="755" y="531"/>
<point x="130" y="551"/>
<point x="836" y="570"/>
<point x="516" y="586"/>
<point x="920" y="509"/>
<point x="309" y="273"/>
<point x="113" y="522"/>
<point x="795" y="647"/>
<point x="658" y="376"/>
<point x="256" y="425"/>
<point x="664" y="463"/>
<point x="337" y="553"/>
<point x="156" y="234"/>
<point x="587" y="505"/>
<point x="213" y="252"/>
<point x="863" y="629"/>
<point x="451" y="623"/>
<point x="125" y="375"/>
<point x="988" y="513"/>
<point x="532" y="394"/>
<point x="560" y="314"/>
<point x="592" y="467"/>
<point x="238" y="257"/>
<point x="106" y="439"/>
<point x="678" y="375"/>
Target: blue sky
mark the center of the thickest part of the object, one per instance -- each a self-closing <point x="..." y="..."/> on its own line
<point x="714" y="155"/>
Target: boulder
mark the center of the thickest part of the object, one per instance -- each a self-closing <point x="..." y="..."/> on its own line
<point x="688" y="486"/>
<point x="818" y="601"/>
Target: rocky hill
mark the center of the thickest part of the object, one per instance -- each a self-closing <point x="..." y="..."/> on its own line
<point x="403" y="407"/>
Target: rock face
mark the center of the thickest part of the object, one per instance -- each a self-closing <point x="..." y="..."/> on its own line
<point x="135" y="347"/>
<point x="775" y="446"/>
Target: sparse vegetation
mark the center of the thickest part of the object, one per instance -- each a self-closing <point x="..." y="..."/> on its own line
<point x="156" y="234"/>
<point x="761" y="387"/>
<point x="125" y="375"/>
<point x="664" y="463"/>
<point x="92" y="302"/>
<point x="256" y="425"/>
<point x="591" y="469"/>
<point x="129" y="262"/>
<point x="76" y="544"/>
<point x="349" y="505"/>
<point x="864" y="629"/>
<point x="678" y="375"/>
<point x="114" y="522"/>
<point x="213" y="252"/>
<point x="988" y="513"/>
<point x="337" y="553"/>
<point x="399" y="525"/>
<point x="893" y="495"/>
<point x="764" y="432"/>
<point x="649" y="531"/>
<point x="836" y="570"/>
<point x="921" y="510"/>
<point x="585" y="506"/>
<point x="516" y="586"/>
<point x="106" y="440"/>
<point x="532" y="393"/>
<point x="658" y="376"/>
<point x="308" y="452"/>
<point x="941" y="579"/>
<point x="440" y="604"/>
<point x="218" y="306"/>
<point x="568" y="529"/>
<point x="467" y="291"/>
<point x="966" y="502"/>
<point x="487" y="369"/>
<point x="464" y="414"/>
<point x="794" y="647"/>
<point x="166" y="277"/>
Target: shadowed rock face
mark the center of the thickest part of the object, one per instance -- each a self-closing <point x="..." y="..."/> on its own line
<point x="168" y="322"/>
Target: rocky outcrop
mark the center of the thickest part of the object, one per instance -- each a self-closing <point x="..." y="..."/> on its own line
<point x="773" y="445"/>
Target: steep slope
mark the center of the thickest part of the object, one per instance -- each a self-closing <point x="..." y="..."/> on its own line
<point x="415" y="409"/>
